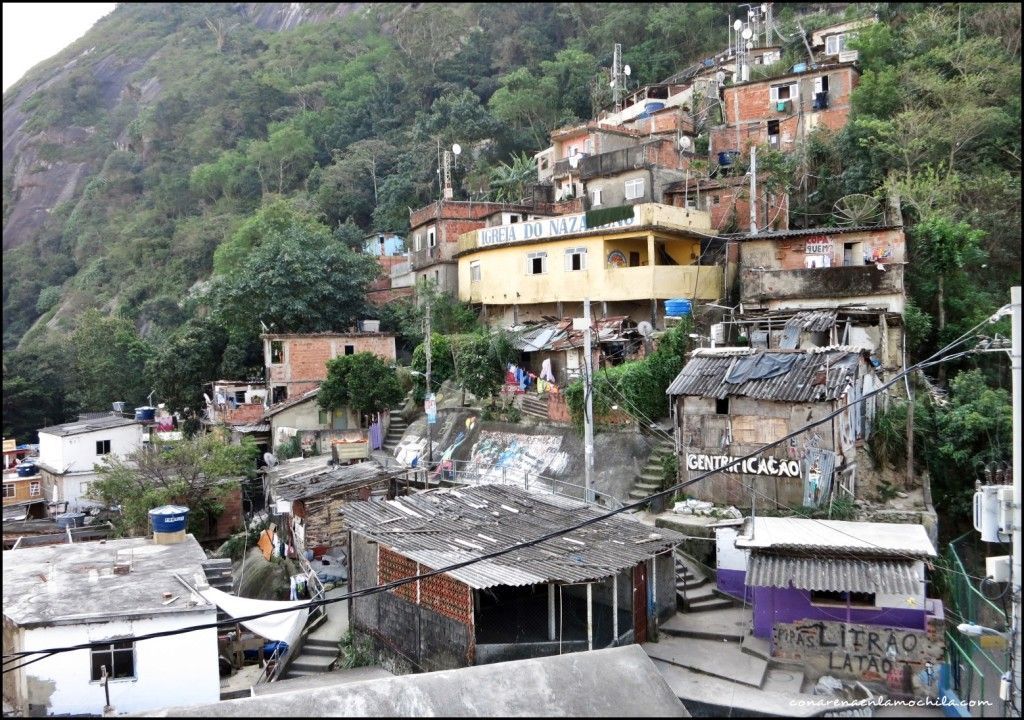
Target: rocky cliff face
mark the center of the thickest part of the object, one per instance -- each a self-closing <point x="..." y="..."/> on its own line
<point x="46" y="166"/>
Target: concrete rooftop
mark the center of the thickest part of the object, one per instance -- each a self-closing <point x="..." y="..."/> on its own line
<point x="863" y="538"/>
<point x="75" y="583"/>
<point x="617" y="682"/>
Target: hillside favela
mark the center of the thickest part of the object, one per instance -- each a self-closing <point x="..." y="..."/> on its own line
<point x="512" y="359"/>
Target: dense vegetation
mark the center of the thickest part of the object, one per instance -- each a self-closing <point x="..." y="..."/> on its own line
<point x="235" y="192"/>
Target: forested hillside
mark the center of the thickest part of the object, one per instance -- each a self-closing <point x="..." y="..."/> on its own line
<point x="185" y="172"/>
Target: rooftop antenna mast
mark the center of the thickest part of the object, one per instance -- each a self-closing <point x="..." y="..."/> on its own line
<point x="619" y="74"/>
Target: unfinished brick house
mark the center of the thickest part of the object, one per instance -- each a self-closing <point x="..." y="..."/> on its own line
<point x="727" y="200"/>
<point x="530" y="603"/>
<point x="781" y="111"/>
<point x="297" y="363"/>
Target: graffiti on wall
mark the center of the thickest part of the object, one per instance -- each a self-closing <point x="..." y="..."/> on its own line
<point x="898" y="657"/>
<point x="513" y="454"/>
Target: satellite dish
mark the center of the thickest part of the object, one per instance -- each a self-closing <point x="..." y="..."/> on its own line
<point x="720" y="76"/>
<point x="644" y="328"/>
<point x="457" y="149"/>
<point x="270" y="459"/>
<point x="750" y="45"/>
<point x="857" y="209"/>
<point x="685" y="142"/>
<point x="764" y="8"/>
<point x="747" y="33"/>
<point x="627" y="70"/>
<point x="738" y="25"/>
<point x="611" y="84"/>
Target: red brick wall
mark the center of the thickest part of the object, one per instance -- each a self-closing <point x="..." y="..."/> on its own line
<point x="306" y="357"/>
<point x="755" y="110"/>
<point x="391" y="567"/>
<point x="447" y="596"/>
<point x="230" y="520"/>
<point x="242" y="414"/>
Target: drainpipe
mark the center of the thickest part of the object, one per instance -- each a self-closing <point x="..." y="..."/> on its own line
<point x="590" y="616"/>
<point x="615" y="609"/>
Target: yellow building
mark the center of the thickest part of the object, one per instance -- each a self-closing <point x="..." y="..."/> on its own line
<point x="523" y="271"/>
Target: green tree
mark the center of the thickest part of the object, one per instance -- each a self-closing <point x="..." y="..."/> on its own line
<point x="510" y="180"/>
<point x="107" y="362"/>
<point x="272" y="222"/>
<point x="290" y="283"/>
<point x="282" y="158"/>
<point x="35" y="384"/>
<point x="184" y="363"/>
<point x="479" y="361"/>
<point x="197" y="473"/>
<point x="363" y="382"/>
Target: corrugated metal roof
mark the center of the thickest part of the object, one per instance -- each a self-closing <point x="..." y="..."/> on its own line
<point x="843" y="536"/>
<point x="705" y="374"/>
<point x="446" y="526"/>
<point x="252" y="428"/>
<point x="558" y="335"/>
<point x="311" y="478"/>
<point x="894" y="577"/>
<point x="813" y="320"/>
<point x="803" y="232"/>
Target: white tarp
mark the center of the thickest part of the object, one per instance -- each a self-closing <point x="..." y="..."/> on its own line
<point x="284" y="626"/>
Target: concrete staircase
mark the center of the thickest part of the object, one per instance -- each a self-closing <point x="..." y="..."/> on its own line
<point x="318" y="655"/>
<point x="535" y="405"/>
<point x="694" y="590"/>
<point x="220" y="575"/>
<point x="713" y="664"/>
<point x="396" y="429"/>
<point x="649" y="479"/>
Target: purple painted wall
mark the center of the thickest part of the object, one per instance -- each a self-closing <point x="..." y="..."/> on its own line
<point x="778" y="605"/>
<point x="734" y="583"/>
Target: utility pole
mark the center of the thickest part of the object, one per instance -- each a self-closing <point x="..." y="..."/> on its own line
<point x="430" y="395"/>
<point x="1015" y="585"/>
<point x="753" y="189"/>
<point x="588" y="410"/>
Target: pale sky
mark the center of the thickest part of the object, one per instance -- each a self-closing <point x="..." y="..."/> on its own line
<point x="34" y="32"/>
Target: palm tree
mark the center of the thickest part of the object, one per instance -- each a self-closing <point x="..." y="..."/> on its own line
<point x="509" y="180"/>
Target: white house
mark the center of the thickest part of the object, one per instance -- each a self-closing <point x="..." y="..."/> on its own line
<point x="68" y="454"/>
<point x="107" y="592"/>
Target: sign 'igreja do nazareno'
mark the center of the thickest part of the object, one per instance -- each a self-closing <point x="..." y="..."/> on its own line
<point x="544" y="229"/>
<point x="774" y="467"/>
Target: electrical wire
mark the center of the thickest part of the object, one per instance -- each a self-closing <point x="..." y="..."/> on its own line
<point x="935" y="358"/>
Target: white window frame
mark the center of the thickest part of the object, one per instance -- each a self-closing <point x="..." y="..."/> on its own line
<point x="417" y="242"/>
<point x="570" y="253"/>
<point x="838" y="43"/>
<point x="794" y="91"/>
<point x="595" y="197"/>
<point x="84" y="487"/>
<point x="543" y="257"/>
<point x="106" y="445"/>
<point x="10" y="490"/>
<point x="35" y="488"/>
<point x="474" y="271"/>
<point x="639" y="188"/>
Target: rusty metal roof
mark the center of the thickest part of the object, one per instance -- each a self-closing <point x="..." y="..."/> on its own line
<point x="447" y="526"/>
<point x="781" y="375"/>
<point x="894" y="577"/>
<point x="559" y="335"/>
<point x="311" y="477"/>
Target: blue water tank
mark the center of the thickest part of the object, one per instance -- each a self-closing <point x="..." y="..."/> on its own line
<point x="70" y="520"/>
<point x="145" y="413"/>
<point x="800" y="67"/>
<point x="26" y="469"/>
<point x="169" y="518"/>
<point x="678" y="307"/>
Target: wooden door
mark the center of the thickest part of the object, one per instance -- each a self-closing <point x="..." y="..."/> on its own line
<point x="640" y="602"/>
